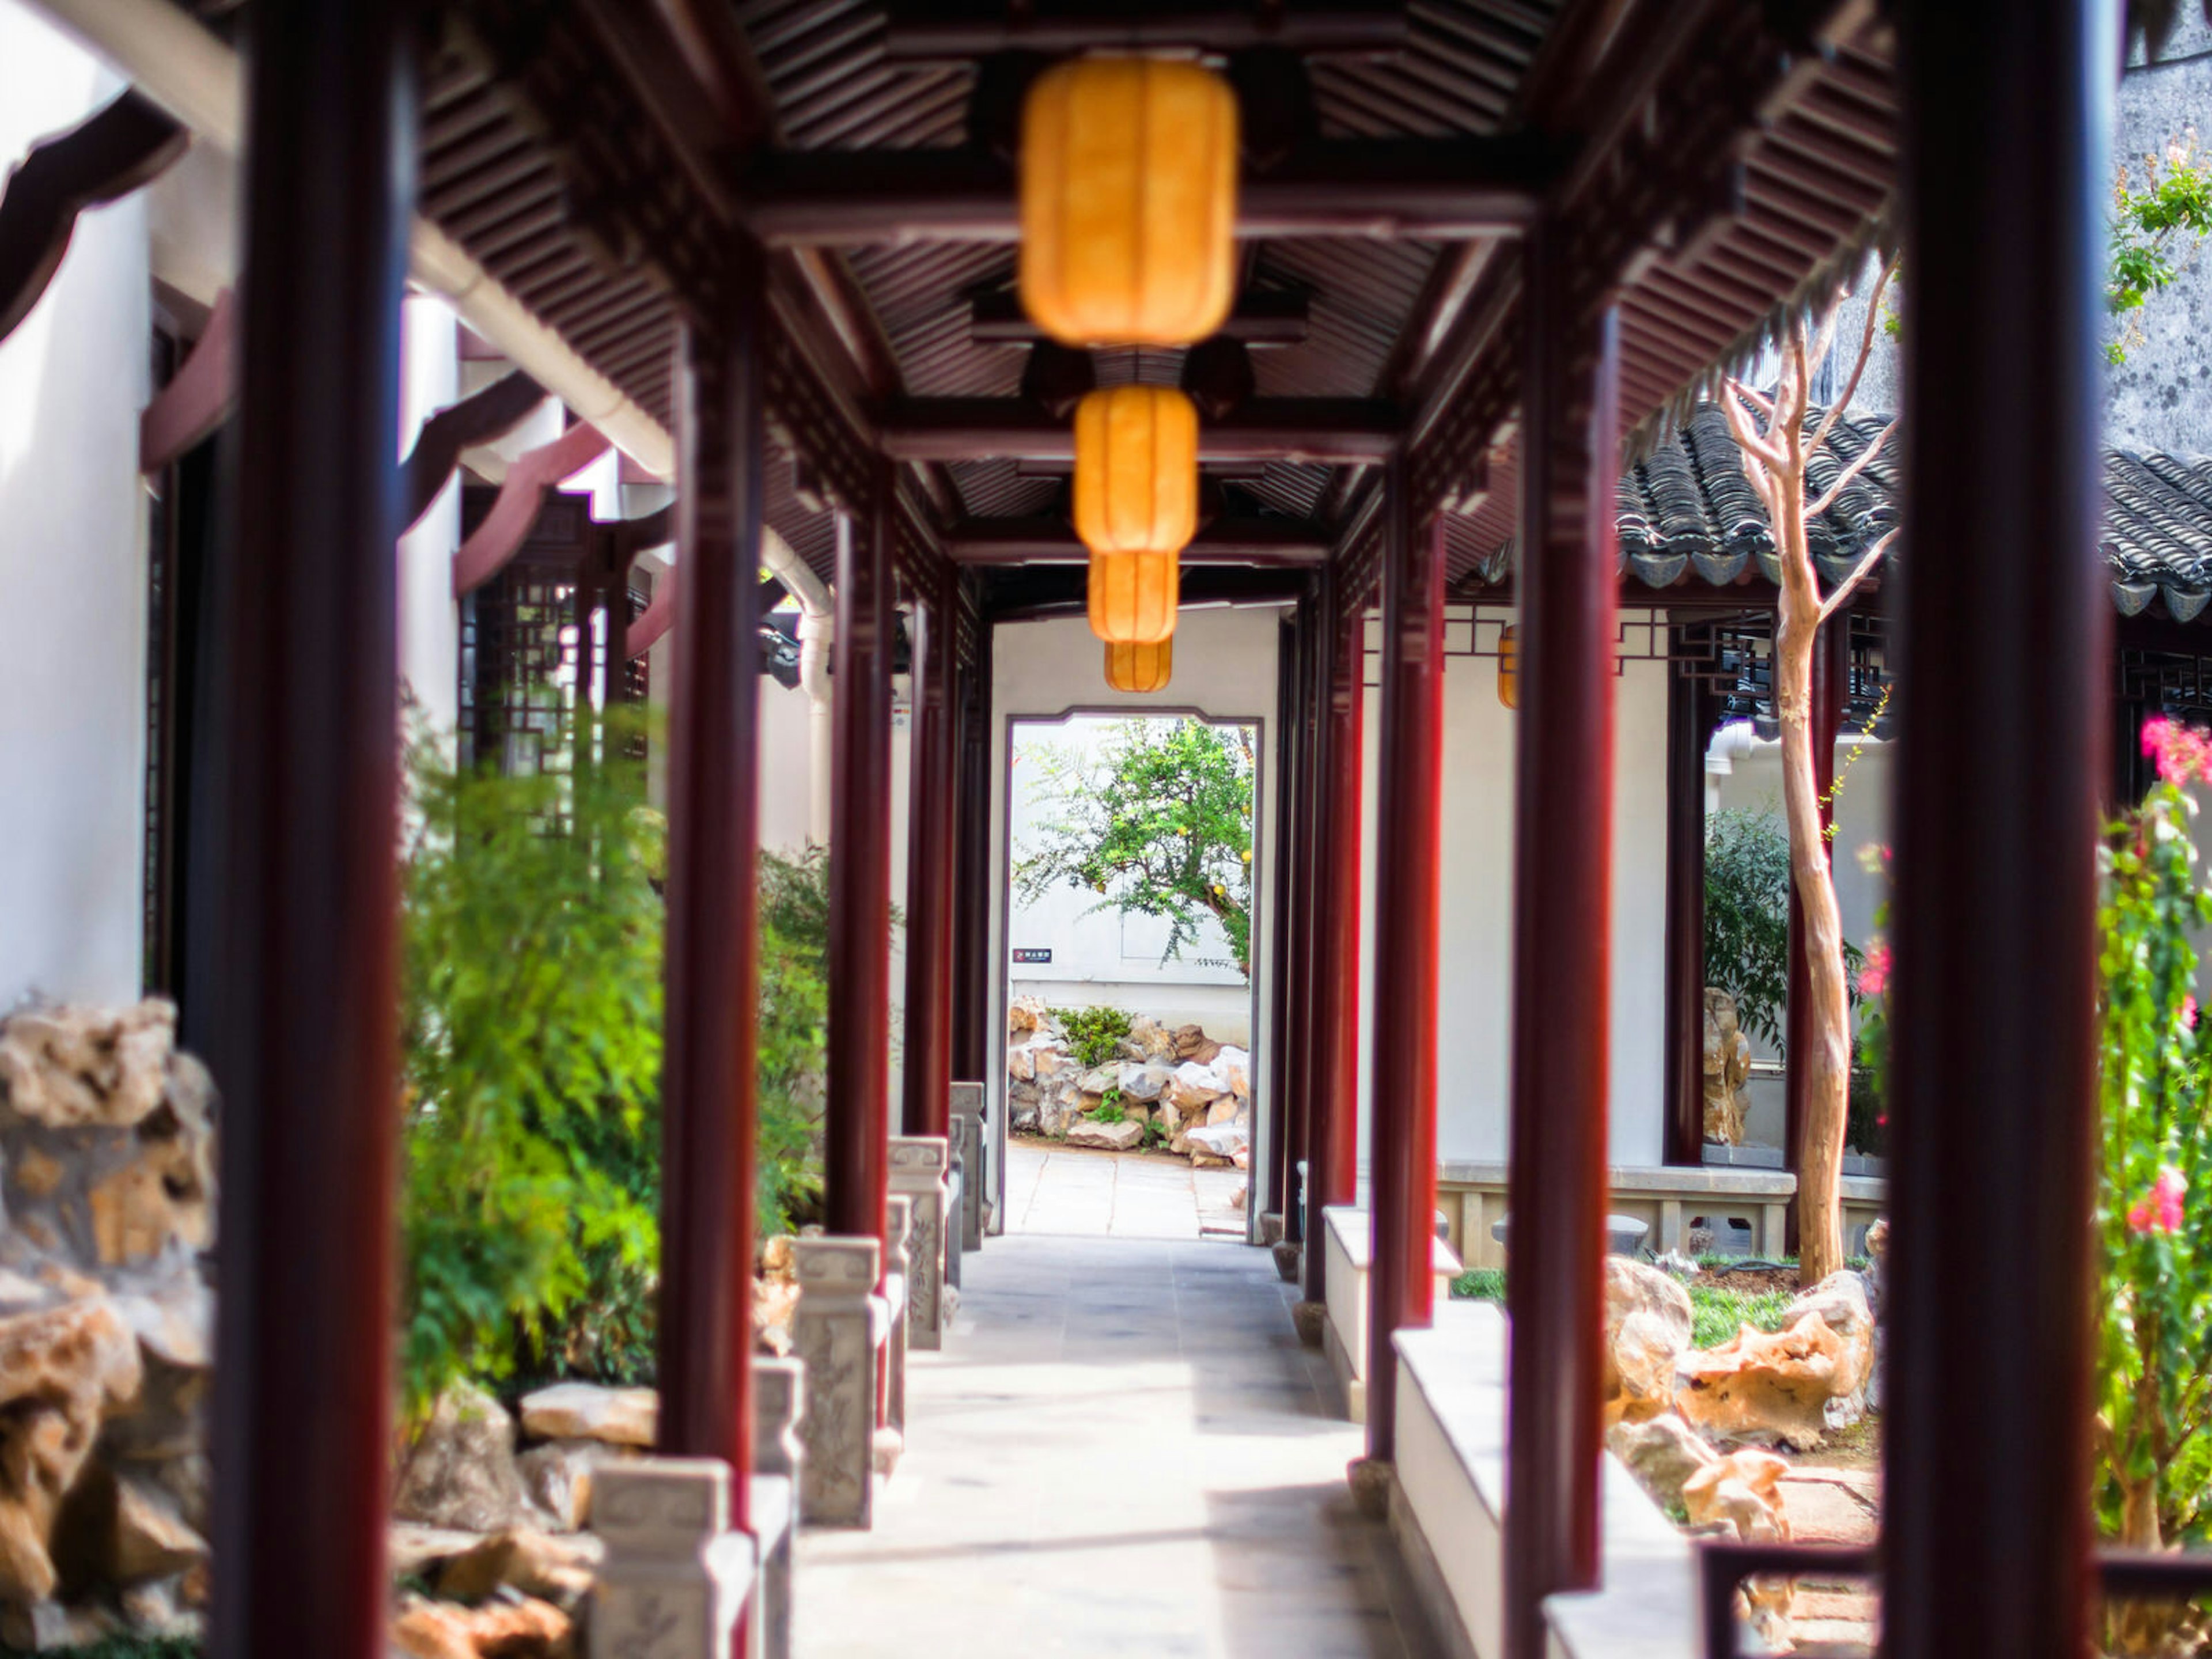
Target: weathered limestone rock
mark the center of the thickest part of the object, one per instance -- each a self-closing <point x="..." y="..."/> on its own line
<point x="1727" y="1070"/>
<point x="554" y="1569"/>
<point x="557" y="1476"/>
<point x="1026" y="1014"/>
<point x="1841" y="1302"/>
<point x="1647" y="1328"/>
<point x="1106" y="1137"/>
<point x="1021" y="1064"/>
<point x="461" y="1471"/>
<point x="1151" y="1040"/>
<point x="81" y="1067"/>
<point x="1193" y="1086"/>
<point x="123" y="1529"/>
<point x="1191" y="1042"/>
<point x="834" y="1334"/>
<point x="1227" y="1109"/>
<point x="61" y="1371"/>
<point x="1220" y="1142"/>
<point x="1662" y="1453"/>
<point x="1234" y="1066"/>
<point x="498" y="1630"/>
<point x="1742" y="1490"/>
<point x="1759" y="1386"/>
<point x="674" y="1575"/>
<point x="1145" y="1083"/>
<point x="585" y="1411"/>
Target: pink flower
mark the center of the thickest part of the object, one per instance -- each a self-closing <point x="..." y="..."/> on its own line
<point x="2189" y="1012"/>
<point x="2182" y="753"/>
<point x="2160" y="1212"/>
<point x="1874" y="977"/>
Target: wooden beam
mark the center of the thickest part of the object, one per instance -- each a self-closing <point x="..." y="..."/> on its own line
<point x="949" y="31"/>
<point x="199" y="395"/>
<point x="111" y="152"/>
<point x="1318" y="429"/>
<point x="304" y="767"/>
<point x="521" y="499"/>
<point x="479" y="419"/>
<point x="1437" y="188"/>
<point x="1263" y="317"/>
<point x="1044" y="539"/>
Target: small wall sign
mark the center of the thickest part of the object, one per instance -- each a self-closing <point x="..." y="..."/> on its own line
<point x="1032" y="953"/>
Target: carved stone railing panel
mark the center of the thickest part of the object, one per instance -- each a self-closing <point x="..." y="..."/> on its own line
<point x="834" y="1329"/>
<point x="921" y="1166"/>
<point x="676" y="1578"/>
<point x="968" y="1145"/>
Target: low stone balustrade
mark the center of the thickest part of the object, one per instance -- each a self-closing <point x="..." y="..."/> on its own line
<point x="920" y="1167"/>
<point x="968" y="1152"/>
<point x="1350" y="1242"/>
<point x="676" y="1578"/>
<point x="778" y="1401"/>
<point x="836" y="1330"/>
<point x="890" y="1405"/>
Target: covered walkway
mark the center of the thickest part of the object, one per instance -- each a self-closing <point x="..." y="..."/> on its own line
<point x="1122" y="1449"/>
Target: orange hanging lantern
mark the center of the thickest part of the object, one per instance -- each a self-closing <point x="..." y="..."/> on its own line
<point x="1128" y="183"/>
<point x="1136" y="505"/>
<point x="1509" y="666"/>
<point x="1139" y="667"/>
<point x="1133" y="596"/>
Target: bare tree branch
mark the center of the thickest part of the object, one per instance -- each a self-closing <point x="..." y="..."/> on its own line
<point x="1837" y="600"/>
<point x="1866" y="351"/>
<point x="1856" y="465"/>
<point x="1747" y="435"/>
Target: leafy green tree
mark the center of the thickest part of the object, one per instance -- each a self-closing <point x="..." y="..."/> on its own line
<point x="1748" y="917"/>
<point x="2156" y="227"/>
<point x="1159" y="824"/>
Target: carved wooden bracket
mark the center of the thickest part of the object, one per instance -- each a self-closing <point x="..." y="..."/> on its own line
<point x="521" y="498"/>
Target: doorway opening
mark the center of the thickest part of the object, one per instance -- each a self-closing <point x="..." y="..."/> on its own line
<point x="1132" y="914"/>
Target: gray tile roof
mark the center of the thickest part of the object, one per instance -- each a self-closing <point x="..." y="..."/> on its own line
<point x="1687" y="512"/>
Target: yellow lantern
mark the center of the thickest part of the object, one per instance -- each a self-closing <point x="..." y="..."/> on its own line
<point x="1509" y="666"/>
<point x="1139" y="667"/>
<point x="1133" y="596"/>
<point x="1128" y="182"/>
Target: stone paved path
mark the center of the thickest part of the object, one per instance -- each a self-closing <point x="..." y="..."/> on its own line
<point x="1058" y="1189"/>
<point x="1121" y="1450"/>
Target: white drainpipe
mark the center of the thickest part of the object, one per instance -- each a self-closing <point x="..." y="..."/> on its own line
<point x="1734" y="742"/>
<point x="818" y="628"/>
<point x="195" y="77"/>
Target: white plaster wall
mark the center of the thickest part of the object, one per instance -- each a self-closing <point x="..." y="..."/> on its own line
<point x="1475" y="978"/>
<point x="787" y="766"/>
<point x="73" y="516"/>
<point x="1224" y="669"/>
<point x="429" y="615"/>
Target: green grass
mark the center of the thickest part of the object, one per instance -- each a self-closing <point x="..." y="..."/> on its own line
<point x="1716" y="1315"/>
<point x="130" y="1647"/>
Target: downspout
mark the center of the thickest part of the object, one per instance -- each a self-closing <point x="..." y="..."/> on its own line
<point x="178" y="63"/>
<point x="817" y="628"/>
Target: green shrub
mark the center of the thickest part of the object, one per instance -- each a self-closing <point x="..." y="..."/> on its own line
<point x="1748" y="917"/>
<point x="1110" y="1112"/>
<point x="530" y="1021"/>
<point x="1093" y="1034"/>
<point x="1155" y="1134"/>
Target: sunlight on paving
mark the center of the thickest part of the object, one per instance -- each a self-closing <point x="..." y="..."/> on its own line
<point x="1123" y="1449"/>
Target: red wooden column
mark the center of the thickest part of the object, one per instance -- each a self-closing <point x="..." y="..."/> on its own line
<point x="1689" y="728"/>
<point x="1333" y="1132"/>
<point x="1269" y="1191"/>
<point x="856" y="1154"/>
<point x="1562" y="945"/>
<point x="971" y="1046"/>
<point x="710" y="1068"/>
<point x="931" y="800"/>
<point x="304" y="740"/>
<point x="1304" y="856"/>
<point x="1830" y="689"/>
<point x="2002" y="713"/>
<point x="1408" y="875"/>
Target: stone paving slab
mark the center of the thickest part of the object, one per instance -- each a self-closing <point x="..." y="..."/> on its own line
<point x="1123" y="1449"/>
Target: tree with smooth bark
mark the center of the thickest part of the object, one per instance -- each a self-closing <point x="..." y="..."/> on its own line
<point x="1779" y="435"/>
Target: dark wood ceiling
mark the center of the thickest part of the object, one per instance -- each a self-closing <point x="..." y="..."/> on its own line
<point x="536" y="108"/>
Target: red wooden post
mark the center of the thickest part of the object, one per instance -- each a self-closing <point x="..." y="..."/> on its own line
<point x="971" y="1045"/>
<point x="1305" y="910"/>
<point x="2003" y="712"/>
<point x="1830" y="689"/>
<point x="710" y="1068"/>
<point x="856" y="1153"/>
<point x="301" y="1036"/>
<point x="1689" y="722"/>
<point x="1562" y="945"/>
<point x="1408" y="874"/>
<point x="1333" y="1155"/>
<point x="1271" y="1192"/>
<point x="929" y="885"/>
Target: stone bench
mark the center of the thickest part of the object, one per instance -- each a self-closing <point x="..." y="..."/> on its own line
<point x="1350" y="1244"/>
